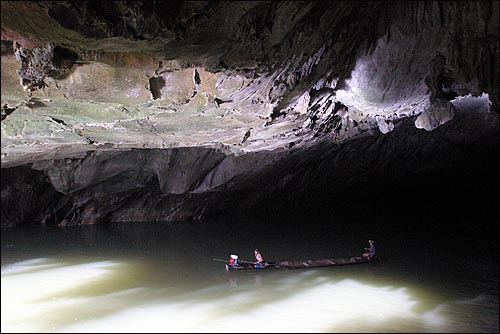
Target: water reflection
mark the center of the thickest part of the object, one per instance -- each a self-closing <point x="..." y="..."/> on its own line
<point x="161" y="278"/>
<point x="51" y="295"/>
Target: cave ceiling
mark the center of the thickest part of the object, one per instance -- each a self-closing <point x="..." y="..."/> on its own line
<point x="237" y="77"/>
<point x="246" y="76"/>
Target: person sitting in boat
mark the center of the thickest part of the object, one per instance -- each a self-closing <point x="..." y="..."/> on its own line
<point x="233" y="260"/>
<point x="370" y="251"/>
<point x="259" y="260"/>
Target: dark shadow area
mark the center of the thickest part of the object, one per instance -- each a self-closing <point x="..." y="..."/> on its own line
<point x="155" y="86"/>
<point x="441" y="179"/>
<point x="27" y="197"/>
<point x="63" y="59"/>
<point x="218" y="101"/>
<point x="6" y="47"/>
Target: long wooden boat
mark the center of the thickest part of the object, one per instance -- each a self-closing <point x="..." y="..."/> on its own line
<point x="300" y="264"/>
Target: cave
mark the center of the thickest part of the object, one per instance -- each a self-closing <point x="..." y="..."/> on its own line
<point x="156" y="128"/>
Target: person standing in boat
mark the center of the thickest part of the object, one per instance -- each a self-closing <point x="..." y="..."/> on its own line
<point x="370" y="251"/>
<point x="259" y="260"/>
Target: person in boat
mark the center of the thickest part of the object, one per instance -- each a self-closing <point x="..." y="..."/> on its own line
<point x="259" y="260"/>
<point x="370" y="251"/>
<point x="233" y="260"/>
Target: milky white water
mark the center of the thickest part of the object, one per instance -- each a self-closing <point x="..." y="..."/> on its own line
<point x="152" y="277"/>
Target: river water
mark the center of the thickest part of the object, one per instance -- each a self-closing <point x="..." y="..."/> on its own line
<point x="161" y="277"/>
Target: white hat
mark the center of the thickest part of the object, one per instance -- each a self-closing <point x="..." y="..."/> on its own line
<point x="234" y="257"/>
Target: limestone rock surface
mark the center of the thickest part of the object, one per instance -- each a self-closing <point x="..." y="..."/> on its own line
<point x="129" y="111"/>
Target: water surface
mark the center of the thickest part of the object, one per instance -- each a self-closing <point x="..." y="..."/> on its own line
<point x="161" y="277"/>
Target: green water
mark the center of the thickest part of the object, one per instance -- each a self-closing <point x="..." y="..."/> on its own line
<point x="160" y="277"/>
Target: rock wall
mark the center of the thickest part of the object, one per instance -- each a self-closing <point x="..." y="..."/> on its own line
<point x="196" y="183"/>
<point x="176" y="110"/>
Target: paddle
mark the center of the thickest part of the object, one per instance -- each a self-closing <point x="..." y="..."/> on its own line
<point x="239" y="261"/>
